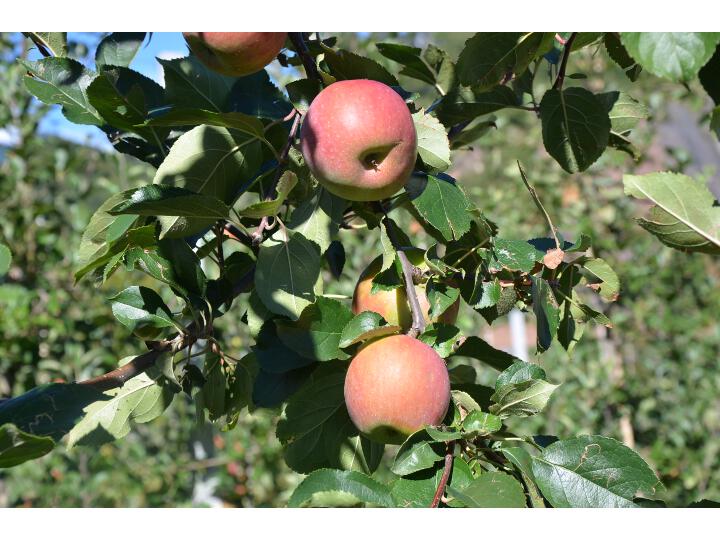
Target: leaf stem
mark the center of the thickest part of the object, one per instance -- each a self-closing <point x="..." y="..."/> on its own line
<point x="445" y="476"/>
<point x="535" y="197"/>
<point x="563" y="63"/>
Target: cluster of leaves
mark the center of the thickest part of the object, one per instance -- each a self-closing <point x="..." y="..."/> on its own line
<point x="225" y="164"/>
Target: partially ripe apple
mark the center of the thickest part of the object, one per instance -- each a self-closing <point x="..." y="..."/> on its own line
<point x="235" y="53"/>
<point x="396" y="386"/>
<point x="359" y="140"/>
<point x="393" y="305"/>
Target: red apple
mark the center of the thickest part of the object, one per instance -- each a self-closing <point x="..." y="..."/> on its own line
<point x="359" y="140"/>
<point x="235" y="53"/>
<point x="396" y="386"/>
<point x="393" y="305"/>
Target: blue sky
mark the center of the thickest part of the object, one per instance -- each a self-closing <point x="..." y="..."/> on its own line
<point x="161" y="44"/>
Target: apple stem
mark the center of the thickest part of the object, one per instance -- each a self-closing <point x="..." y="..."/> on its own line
<point x="258" y="236"/>
<point x="303" y="52"/>
<point x="563" y="63"/>
<point x="409" y="271"/>
<point x="440" y="491"/>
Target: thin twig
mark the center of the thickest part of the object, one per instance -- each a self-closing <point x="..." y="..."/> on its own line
<point x="219" y="234"/>
<point x="535" y="197"/>
<point x="181" y="341"/>
<point x="303" y="52"/>
<point x="257" y="236"/>
<point x="439" y="492"/>
<point x="408" y="270"/>
<point x="563" y="63"/>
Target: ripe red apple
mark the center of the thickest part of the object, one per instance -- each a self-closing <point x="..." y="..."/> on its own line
<point x="393" y="305"/>
<point x="396" y="386"/>
<point x="359" y="140"/>
<point x="235" y="53"/>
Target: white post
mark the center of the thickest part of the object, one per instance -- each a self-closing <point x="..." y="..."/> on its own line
<point x="518" y="334"/>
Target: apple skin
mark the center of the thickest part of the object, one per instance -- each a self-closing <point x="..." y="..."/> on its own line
<point x="359" y="140"/>
<point x="393" y="305"/>
<point x="395" y="386"/>
<point x="235" y="54"/>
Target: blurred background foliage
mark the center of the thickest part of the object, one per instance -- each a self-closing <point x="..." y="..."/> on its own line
<point x="652" y="381"/>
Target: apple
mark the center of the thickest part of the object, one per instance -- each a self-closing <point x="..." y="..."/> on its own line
<point x="395" y="386"/>
<point x="235" y="53"/>
<point x="358" y="139"/>
<point x="393" y="305"/>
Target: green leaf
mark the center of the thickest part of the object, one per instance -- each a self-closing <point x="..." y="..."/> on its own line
<point x="188" y="83"/>
<point x="345" y="65"/>
<point x="139" y="307"/>
<point x="418" y="452"/>
<point x="520" y="372"/>
<point x="49" y="410"/>
<point x="54" y="42"/>
<point x="465" y="104"/>
<point x="677" y="56"/>
<point x="118" y="49"/>
<point x="591" y="471"/>
<point x="418" y="489"/>
<point x="5" y="259"/>
<point x="609" y="286"/>
<point x="256" y="95"/>
<point x="575" y="127"/>
<point x="685" y="215"/>
<point x="141" y="399"/>
<point x="273" y="355"/>
<point x="522" y="461"/>
<point x="547" y="313"/>
<point x="302" y="92"/>
<point x="710" y="77"/>
<point x="286" y="272"/>
<point x="522" y="399"/>
<point x="433" y="143"/>
<point x="515" y="255"/>
<point x="488" y="57"/>
<point x="194" y="117"/>
<point x="491" y="490"/>
<point x="624" y="111"/>
<point x="441" y="297"/>
<point x="161" y="200"/>
<point x="17" y="446"/>
<point x="318" y="218"/>
<point x="212" y="161"/>
<point x="480" y="424"/>
<point x="475" y="347"/>
<point x="441" y="337"/>
<point x="269" y="208"/>
<point x="63" y="81"/>
<point x="317" y="431"/>
<point x="617" y="51"/>
<point x="365" y="326"/>
<point x="317" y="333"/>
<point x="361" y="486"/>
<point x="410" y="58"/>
<point x="271" y="389"/>
<point x="442" y="203"/>
<point x="176" y="264"/>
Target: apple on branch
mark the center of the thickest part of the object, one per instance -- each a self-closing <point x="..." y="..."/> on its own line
<point x="235" y="53"/>
<point x="358" y="139"/>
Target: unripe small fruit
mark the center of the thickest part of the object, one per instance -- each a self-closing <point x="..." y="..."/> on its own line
<point x="235" y="53"/>
<point x="358" y="139"/>
<point x="393" y="305"/>
<point x="396" y="386"/>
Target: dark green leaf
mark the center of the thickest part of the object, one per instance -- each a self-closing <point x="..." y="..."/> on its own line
<point x="474" y="347"/>
<point x="591" y="471"/>
<point x="547" y="313"/>
<point x="357" y="484"/>
<point x="194" y="117"/>
<point x="345" y="65"/>
<point x="5" y="259"/>
<point x="520" y="372"/>
<point x="161" y="200"/>
<point x="188" y="83"/>
<point x="465" y="104"/>
<point x="522" y="399"/>
<point x="364" y="326"/>
<point x="432" y="141"/>
<point x="318" y="217"/>
<point x="575" y="126"/>
<point x="491" y="490"/>
<point x="710" y="77"/>
<point x="480" y="424"/>
<point x="515" y="255"/>
<point x="621" y="57"/>
<point x="418" y="452"/>
<point x="17" y="446"/>
<point x="118" y="48"/>
<point x="443" y="204"/>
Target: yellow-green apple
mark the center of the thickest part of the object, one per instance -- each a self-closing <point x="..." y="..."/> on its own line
<point x="235" y="53"/>
<point x="395" y="386"/>
<point x="393" y="305"/>
<point x="359" y="140"/>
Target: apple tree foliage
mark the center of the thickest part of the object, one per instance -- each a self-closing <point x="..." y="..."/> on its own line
<point x="233" y="224"/>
